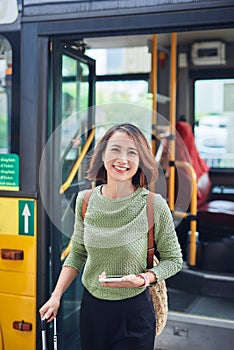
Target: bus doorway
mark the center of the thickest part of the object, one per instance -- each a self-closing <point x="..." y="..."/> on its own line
<point x="63" y="168"/>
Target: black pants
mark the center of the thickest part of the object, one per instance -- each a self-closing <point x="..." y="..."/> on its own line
<point x="127" y="324"/>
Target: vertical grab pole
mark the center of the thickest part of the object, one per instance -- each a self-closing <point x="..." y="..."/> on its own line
<point x="193" y="211"/>
<point x="154" y="80"/>
<point x="193" y="223"/>
<point x="173" y="67"/>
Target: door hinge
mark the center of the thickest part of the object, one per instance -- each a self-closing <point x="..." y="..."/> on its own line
<point x="50" y="45"/>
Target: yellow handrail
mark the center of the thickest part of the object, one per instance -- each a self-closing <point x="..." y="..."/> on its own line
<point x="171" y="193"/>
<point x="193" y="211"/>
<point x="66" y="251"/>
<point x="173" y="163"/>
<point x="76" y="166"/>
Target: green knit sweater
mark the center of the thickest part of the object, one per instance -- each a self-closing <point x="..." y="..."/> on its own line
<point x="113" y="238"/>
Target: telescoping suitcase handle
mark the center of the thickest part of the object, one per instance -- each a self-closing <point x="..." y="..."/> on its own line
<point x="43" y="334"/>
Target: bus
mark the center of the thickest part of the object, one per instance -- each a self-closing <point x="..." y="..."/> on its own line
<point x="69" y="71"/>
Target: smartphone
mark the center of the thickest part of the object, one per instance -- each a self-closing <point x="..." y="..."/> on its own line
<point x="115" y="278"/>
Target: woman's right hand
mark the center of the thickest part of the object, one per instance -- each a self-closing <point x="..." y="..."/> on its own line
<point x="50" y="309"/>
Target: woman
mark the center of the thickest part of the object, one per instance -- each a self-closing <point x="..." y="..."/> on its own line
<point x="112" y="240"/>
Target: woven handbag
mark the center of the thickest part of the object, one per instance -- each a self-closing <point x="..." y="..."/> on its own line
<point x="157" y="291"/>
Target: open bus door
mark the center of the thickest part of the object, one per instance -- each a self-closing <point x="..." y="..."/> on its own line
<point x="63" y="172"/>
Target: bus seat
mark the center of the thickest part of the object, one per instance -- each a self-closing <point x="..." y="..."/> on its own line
<point x="217" y="256"/>
<point x="186" y="150"/>
<point x="218" y="206"/>
<point x="216" y="219"/>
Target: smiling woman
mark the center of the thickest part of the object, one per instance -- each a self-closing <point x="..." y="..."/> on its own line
<point x="112" y="239"/>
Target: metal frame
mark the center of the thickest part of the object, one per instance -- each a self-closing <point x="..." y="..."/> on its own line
<point x="94" y="9"/>
<point x="141" y="23"/>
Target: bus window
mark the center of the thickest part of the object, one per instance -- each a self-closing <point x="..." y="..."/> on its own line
<point x="122" y="78"/>
<point x="120" y="60"/>
<point x="5" y="94"/>
<point x="214" y="121"/>
<point x="133" y="92"/>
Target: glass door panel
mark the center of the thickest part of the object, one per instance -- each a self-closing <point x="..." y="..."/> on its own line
<point x="73" y="96"/>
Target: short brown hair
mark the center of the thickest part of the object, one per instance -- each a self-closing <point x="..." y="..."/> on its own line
<point x="147" y="172"/>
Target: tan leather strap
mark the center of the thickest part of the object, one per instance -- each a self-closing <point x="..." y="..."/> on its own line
<point x="150" y="216"/>
<point x="85" y="203"/>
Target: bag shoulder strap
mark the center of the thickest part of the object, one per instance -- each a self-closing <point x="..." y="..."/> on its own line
<point x="150" y="216"/>
<point x="85" y="203"/>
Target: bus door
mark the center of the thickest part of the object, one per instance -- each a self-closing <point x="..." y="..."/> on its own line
<point x="71" y="117"/>
<point x="18" y="209"/>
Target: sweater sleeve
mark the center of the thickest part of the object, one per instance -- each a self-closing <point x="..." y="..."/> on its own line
<point x="166" y="241"/>
<point x="77" y="256"/>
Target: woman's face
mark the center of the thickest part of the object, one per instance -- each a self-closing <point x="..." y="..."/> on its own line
<point x="121" y="157"/>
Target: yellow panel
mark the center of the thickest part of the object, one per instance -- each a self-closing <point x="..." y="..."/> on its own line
<point x="17" y="283"/>
<point x="9" y="216"/>
<point x="15" y="308"/>
<point x="18" y="277"/>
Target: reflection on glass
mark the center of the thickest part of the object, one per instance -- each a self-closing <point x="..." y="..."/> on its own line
<point x="214" y="121"/>
<point x="5" y="94"/>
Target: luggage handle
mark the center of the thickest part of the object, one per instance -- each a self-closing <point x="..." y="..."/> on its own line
<point x="55" y="336"/>
<point x="43" y="334"/>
